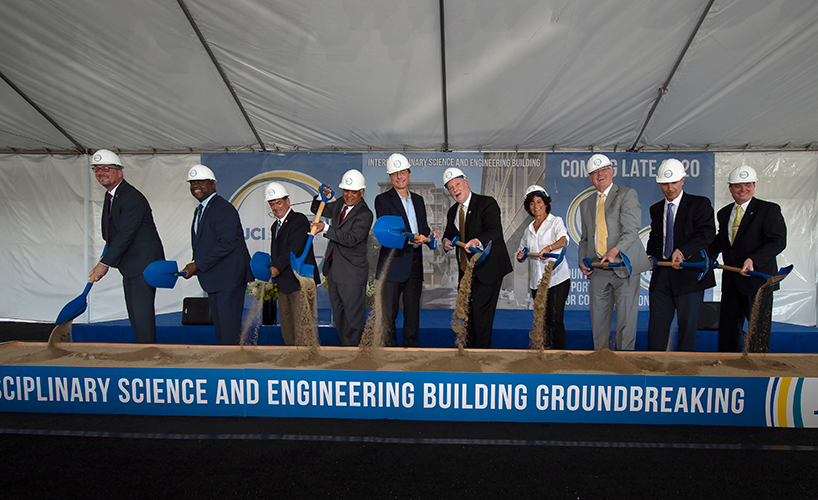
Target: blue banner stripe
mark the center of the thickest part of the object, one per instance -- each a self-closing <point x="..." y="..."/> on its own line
<point x="798" y="420"/>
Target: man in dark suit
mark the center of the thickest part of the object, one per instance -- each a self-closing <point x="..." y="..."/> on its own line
<point x="288" y="235"/>
<point x="611" y="219"/>
<point x="133" y="243"/>
<point x="220" y="256"/>
<point x="345" y="264"/>
<point x="405" y="272"/>
<point x="476" y="220"/>
<point x="681" y="226"/>
<point x="751" y="233"/>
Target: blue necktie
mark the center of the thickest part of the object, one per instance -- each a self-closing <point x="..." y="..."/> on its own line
<point x="669" y="231"/>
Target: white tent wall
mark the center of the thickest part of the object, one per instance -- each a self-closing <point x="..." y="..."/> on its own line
<point x="50" y="210"/>
<point x="791" y="180"/>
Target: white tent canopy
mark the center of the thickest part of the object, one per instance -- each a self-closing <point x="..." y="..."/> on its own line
<point x="197" y="75"/>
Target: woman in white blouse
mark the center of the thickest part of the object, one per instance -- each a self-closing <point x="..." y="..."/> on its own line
<point x="547" y="234"/>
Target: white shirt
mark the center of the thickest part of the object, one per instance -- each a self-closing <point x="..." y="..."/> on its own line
<point x="551" y="230"/>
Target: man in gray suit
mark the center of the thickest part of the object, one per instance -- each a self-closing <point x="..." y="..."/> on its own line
<point x="610" y="225"/>
<point x="345" y="264"/>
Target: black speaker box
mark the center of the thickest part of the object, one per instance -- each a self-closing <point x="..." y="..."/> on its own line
<point x="709" y="318"/>
<point x="196" y="311"/>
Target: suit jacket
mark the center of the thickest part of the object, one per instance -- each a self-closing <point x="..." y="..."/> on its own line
<point x="693" y="230"/>
<point x="219" y="249"/>
<point x="133" y="241"/>
<point x="292" y="237"/>
<point x="761" y="236"/>
<point x="348" y="242"/>
<point x="483" y="222"/>
<point x="389" y="203"/>
<point x="623" y="216"/>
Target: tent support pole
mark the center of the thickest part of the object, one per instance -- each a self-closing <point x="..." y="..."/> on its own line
<point x="663" y="89"/>
<point x="219" y="68"/>
<point x="34" y="105"/>
<point x="445" y="99"/>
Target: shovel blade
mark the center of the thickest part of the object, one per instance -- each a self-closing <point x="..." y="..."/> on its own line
<point x="297" y="263"/>
<point x="260" y="264"/>
<point x="390" y="231"/>
<point x="161" y="274"/>
<point x="76" y="307"/>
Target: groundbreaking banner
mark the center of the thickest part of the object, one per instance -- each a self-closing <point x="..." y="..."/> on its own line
<point x="485" y="397"/>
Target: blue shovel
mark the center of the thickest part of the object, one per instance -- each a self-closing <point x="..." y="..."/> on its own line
<point x="297" y="263"/>
<point x="260" y="264"/>
<point x="390" y="231"/>
<point x="626" y="262"/>
<point x="559" y="256"/>
<point x="162" y="273"/>
<point x="456" y="241"/>
<point x="80" y="303"/>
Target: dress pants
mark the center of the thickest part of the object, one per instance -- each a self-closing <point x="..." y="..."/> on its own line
<point x="555" y="313"/>
<point x="607" y="290"/>
<point x="410" y="289"/>
<point x="139" y="300"/>
<point x="663" y="305"/>
<point x="481" y="316"/>
<point x="735" y="309"/>
<point x="288" y="308"/>
<point x="348" y="305"/>
<point x="226" y="308"/>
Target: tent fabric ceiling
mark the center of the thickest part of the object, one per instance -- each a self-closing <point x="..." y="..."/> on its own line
<point x="361" y="74"/>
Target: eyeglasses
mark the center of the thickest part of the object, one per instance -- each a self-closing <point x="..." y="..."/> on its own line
<point x="105" y="168"/>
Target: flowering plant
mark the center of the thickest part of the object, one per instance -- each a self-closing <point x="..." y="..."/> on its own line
<point x="257" y="287"/>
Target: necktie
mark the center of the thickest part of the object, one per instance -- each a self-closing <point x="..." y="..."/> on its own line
<point x="601" y="227"/>
<point x="106" y="215"/>
<point x="669" y="231"/>
<point x="343" y="214"/>
<point x="278" y="227"/>
<point x="197" y="219"/>
<point x="462" y="223"/>
<point x="736" y="224"/>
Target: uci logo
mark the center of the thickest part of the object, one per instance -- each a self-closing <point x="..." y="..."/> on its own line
<point x="397" y="164"/>
<point x="668" y="174"/>
<point x="448" y="175"/>
<point x="598" y="162"/>
<point x="348" y="181"/>
<point x="97" y="158"/>
<point x="744" y="175"/>
<point x="271" y="192"/>
<point x="194" y="173"/>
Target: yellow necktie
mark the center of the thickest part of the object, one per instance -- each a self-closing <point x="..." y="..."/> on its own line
<point x="462" y="223"/>
<point x="601" y="227"/>
<point x="736" y="224"/>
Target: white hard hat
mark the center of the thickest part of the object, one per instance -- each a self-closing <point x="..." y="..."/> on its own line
<point x="742" y="174"/>
<point x="105" y="157"/>
<point x="200" y="173"/>
<point x="452" y="173"/>
<point x="396" y="163"/>
<point x="671" y="170"/>
<point x="274" y="191"/>
<point x="535" y="188"/>
<point x="352" y="181"/>
<point x="596" y="162"/>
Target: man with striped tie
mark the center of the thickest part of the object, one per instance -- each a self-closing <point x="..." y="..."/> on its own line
<point x="751" y="233"/>
<point x="288" y="235"/>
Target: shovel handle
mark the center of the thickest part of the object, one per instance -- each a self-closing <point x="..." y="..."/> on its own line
<point x="751" y="273"/>
<point x="324" y="200"/>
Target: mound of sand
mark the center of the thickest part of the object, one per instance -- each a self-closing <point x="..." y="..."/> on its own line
<point x="400" y="359"/>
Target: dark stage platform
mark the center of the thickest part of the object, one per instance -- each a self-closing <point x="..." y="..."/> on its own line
<point x="511" y="329"/>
